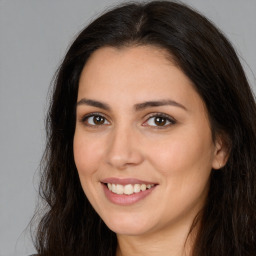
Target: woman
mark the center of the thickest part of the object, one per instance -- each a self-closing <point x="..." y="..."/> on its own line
<point x="151" y="140"/>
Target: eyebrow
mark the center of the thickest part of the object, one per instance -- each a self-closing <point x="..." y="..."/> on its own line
<point x="137" y="107"/>
<point x="93" y="103"/>
<point x="147" y="104"/>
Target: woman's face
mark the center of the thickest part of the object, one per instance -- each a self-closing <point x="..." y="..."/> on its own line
<point x="143" y="144"/>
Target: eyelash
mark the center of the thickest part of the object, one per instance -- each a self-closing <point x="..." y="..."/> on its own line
<point x="168" y="118"/>
<point x="86" y="117"/>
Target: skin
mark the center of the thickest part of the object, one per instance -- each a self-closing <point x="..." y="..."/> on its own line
<point x="178" y="156"/>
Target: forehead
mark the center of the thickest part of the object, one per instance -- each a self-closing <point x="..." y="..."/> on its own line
<point x="135" y="73"/>
<point x="110" y="63"/>
<point x="111" y="60"/>
<point x="133" y="51"/>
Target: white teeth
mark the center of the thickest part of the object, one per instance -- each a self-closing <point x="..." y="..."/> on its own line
<point x="136" y="188"/>
<point x="113" y="189"/>
<point x="119" y="189"/>
<point x="143" y="187"/>
<point x="128" y="189"/>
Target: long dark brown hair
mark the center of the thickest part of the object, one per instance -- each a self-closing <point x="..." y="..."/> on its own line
<point x="70" y="226"/>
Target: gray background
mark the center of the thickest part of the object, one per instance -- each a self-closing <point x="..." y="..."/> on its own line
<point x="34" y="36"/>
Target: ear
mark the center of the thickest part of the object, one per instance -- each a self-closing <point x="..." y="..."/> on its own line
<point x="221" y="153"/>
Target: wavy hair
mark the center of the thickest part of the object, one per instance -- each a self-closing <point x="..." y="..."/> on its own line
<point x="70" y="226"/>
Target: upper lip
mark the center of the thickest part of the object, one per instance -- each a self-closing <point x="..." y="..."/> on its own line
<point x="125" y="181"/>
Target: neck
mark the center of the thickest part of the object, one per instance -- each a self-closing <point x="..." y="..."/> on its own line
<point x="175" y="242"/>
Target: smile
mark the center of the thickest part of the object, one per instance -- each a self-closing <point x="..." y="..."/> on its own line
<point x="128" y="189"/>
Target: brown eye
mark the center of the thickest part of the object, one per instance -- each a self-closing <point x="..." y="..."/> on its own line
<point x="98" y="120"/>
<point x="160" y="121"/>
<point x="95" y="120"/>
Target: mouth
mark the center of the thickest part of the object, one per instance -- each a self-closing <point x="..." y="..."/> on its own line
<point x="128" y="189"/>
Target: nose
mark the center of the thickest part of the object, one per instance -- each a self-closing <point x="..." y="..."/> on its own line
<point x="124" y="149"/>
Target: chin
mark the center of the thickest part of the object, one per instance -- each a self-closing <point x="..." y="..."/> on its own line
<point x="128" y="230"/>
<point x="131" y="225"/>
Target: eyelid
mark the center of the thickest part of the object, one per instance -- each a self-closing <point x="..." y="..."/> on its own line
<point x="151" y="115"/>
<point x="85" y="117"/>
<point x="157" y="114"/>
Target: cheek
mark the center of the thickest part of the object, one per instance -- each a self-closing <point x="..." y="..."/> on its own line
<point x="87" y="153"/>
<point x="182" y="153"/>
<point x="184" y="165"/>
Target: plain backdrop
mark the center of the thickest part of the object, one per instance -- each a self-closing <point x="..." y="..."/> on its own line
<point x="34" y="36"/>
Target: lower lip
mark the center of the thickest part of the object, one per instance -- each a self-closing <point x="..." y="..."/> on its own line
<point x="126" y="199"/>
